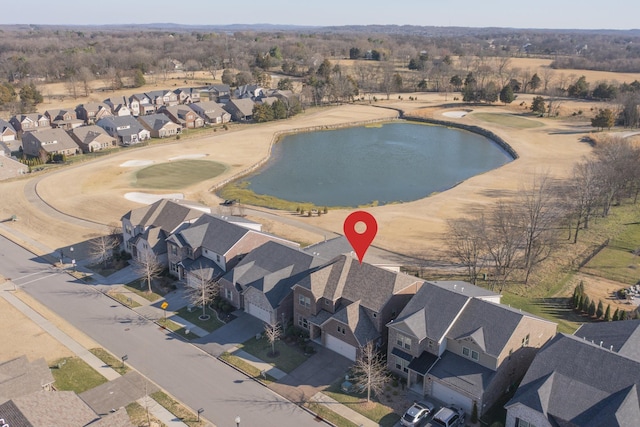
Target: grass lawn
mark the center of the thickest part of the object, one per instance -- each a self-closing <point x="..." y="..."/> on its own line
<point x="138" y="415"/>
<point x="208" y="325"/>
<point x="508" y="120"/>
<point x="174" y="327"/>
<point x="110" y="360"/>
<point x="74" y="374"/>
<point x="288" y="357"/>
<point x="553" y="309"/>
<point x="327" y="414"/>
<point x="615" y="264"/>
<point x="245" y="367"/>
<point x="124" y="300"/>
<point x="139" y="287"/>
<point x="171" y="405"/>
<point x="375" y="411"/>
<point x="178" y="174"/>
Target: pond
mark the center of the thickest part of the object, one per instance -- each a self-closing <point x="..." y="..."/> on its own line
<point x="381" y="164"/>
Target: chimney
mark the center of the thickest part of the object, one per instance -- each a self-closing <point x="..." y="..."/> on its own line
<point x="611" y="348"/>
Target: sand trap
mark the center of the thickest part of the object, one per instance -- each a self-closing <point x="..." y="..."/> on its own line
<point x="455" y="114"/>
<point x="136" y="163"/>
<point x="188" y="156"/>
<point x="148" y="199"/>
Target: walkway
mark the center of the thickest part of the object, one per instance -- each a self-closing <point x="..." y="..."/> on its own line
<point x="158" y="411"/>
<point x="343" y="410"/>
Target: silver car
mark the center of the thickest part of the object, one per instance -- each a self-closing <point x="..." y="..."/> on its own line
<point x="417" y="414"/>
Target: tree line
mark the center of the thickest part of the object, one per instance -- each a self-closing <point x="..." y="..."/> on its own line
<point x="509" y="241"/>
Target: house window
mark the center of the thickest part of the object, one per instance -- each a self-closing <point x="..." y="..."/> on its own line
<point x="522" y="423"/>
<point x="174" y="250"/>
<point x="402" y="365"/>
<point x="341" y="329"/>
<point x="304" y="301"/>
<point x="525" y="341"/>
<point x="218" y="258"/>
<point x="467" y="352"/>
<point x="228" y="294"/>
<point x="403" y="341"/>
<point x="303" y="322"/>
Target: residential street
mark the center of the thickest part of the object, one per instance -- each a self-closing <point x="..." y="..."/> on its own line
<point x="194" y="377"/>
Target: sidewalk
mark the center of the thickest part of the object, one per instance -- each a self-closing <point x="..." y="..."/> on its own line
<point x="263" y="366"/>
<point x="5" y="292"/>
<point x="342" y="410"/>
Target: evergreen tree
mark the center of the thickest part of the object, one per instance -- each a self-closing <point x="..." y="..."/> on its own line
<point x="607" y="314"/>
<point x="599" y="310"/>
<point x="622" y="315"/>
<point x="585" y="304"/>
<point x="604" y="119"/>
<point x="592" y="309"/>
<point x="616" y="314"/>
<point x="474" y="413"/>
<point x="580" y="302"/>
<point x="506" y="95"/>
<point x="538" y="106"/>
<point x="138" y="79"/>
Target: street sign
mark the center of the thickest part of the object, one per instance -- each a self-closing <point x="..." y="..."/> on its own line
<point x="164" y="305"/>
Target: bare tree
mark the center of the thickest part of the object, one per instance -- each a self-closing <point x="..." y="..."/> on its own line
<point x="466" y="239"/>
<point x="503" y="239"/>
<point x="201" y="290"/>
<point x="538" y="212"/>
<point x="370" y="371"/>
<point x="101" y="248"/>
<point x="582" y="195"/>
<point x="115" y="232"/>
<point x="147" y="265"/>
<point x="272" y="331"/>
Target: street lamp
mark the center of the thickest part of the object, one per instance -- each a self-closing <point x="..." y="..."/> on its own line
<point x="238" y="421"/>
<point x="199" y="412"/>
<point x="124" y="358"/>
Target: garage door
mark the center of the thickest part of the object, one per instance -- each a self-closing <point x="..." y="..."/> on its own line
<point x="451" y="397"/>
<point x="259" y="312"/>
<point x="340" y="347"/>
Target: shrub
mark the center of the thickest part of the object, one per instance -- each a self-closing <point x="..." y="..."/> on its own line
<point x="474" y="413"/>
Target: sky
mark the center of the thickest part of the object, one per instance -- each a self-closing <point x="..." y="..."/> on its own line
<point x="553" y="14"/>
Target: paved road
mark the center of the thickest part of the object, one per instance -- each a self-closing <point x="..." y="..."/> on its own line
<point x="185" y="371"/>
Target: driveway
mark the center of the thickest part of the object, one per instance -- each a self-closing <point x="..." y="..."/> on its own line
<point x="314" y="375"/>
<point x="236" y="332"/>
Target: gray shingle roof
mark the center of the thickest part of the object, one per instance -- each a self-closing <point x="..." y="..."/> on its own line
<point x="213" y="233"/>
<point x="12" y="415"/>
<point x="202" y="267"/>
<point x="165" y="214"/>
<point x="430" y="312"/>
<point x="19" y="377"/>
<point x="155" y="121"/>
<point x="355" y="317"/>
<point x="623" y="336"/>
<point x="59" y="408"/>
<point x="46" y="137"/>
<point x="344" y="277"/>
<point x="462" y="374"/>
<point x="273" y="269"/>
<point x="574" y="382"/>
<point x="494" y="324"/>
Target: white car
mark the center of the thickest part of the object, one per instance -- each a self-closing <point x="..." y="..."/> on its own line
<point x="416" y="414"/>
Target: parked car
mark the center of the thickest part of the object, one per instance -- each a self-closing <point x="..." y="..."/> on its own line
<point x="228" y="203"/>
<point x="448" y="417"/>
<point x="417" y="414"/>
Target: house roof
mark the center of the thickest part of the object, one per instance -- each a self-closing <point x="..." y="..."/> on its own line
<point x="212" y="233"/>
<point x="354" y="316"/>
<point x="94" y="106"/>
<point x="120" y="418"/>
<point x="332" y="248"/>
<point x="345" y="277"/>
<point x="88" y="134"/>
<point x="59" y="408"/>
<point x="423" y="363"/>
<point x="462" y="374"/>
<point x="4" y="125"/>
<point x="202" y="267"/>
<point x="179" y="111"/>
<point x="155" y="121"/>
<point x="19" y="377"/>
<point x="273" y="269"/>
<point x="52" y="140"/>
<point x="574" y="382"/>
<point x="209" y="108"/>
<point x="464" y="288"/>
<point x="430" y="312"/>
<point x="244" y="106"/>
<point x="165" y="214"/>
<point x="156" y="238"/>
<point x="490" y="325"/>
<point x="128" y="124"/>
<point x="621" y="337"/>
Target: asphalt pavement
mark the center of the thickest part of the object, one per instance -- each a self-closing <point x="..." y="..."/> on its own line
<point x="186" y="372"/>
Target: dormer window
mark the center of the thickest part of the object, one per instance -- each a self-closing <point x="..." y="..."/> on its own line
<point x="403" y="341"/>
<point x="471" y="354"/>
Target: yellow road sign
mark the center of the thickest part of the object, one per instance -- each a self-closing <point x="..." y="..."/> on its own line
<point x="164" y="305"/>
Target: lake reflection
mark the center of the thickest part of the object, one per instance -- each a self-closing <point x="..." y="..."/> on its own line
<point x="356" y="166"/>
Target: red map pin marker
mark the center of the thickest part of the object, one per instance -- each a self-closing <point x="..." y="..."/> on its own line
<point x="360" y="241"/>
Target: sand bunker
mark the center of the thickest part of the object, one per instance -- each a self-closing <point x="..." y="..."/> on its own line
<point x="148" y="199"/>
<point x="188" y="156"/>
<point x="455" y="114"/>
<point x="136" y="163"/>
